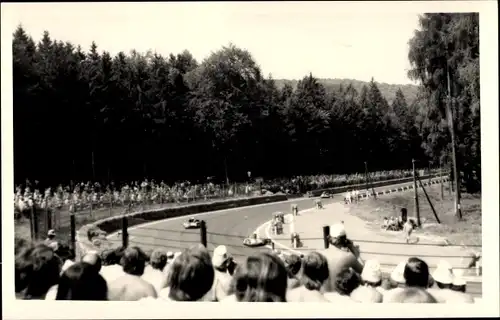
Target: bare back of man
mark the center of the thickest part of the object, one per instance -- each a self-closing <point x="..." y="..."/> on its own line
<point x="130" y="288"/>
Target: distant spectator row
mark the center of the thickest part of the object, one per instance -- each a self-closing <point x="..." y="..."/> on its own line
<point x="95" y="195"/>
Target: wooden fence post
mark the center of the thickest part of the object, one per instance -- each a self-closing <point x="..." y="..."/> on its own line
<point x="124" y="231"/>
<point x="203" y="233"/>
<point x="326" y="235"/>
<point x="73" y="233"/>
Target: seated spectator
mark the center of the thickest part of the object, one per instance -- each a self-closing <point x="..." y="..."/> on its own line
<point x="221" y="260"/>
<point x="341" y="254"/>
<point x="397" y="278"/>
<point x="443" y="277"/>
<point x="411" y="295"/>
<point x="346" y="281"/>
<point x="82" y="281"/>
<point x="190" y="277"/>
<point x="37" y="269"/>
<point x="314" y="273"/>
<point x="261" y="278"/>
<point x="130" y="286"/>
<point x="293" y="264"/>
<point x="459" y="284"/>
<point x="93" y="259"/>
<point x="371" y="279"/>
<point x="153" y="272"/>
<point x="415" y="274"/>
<point x="111" y="269"/>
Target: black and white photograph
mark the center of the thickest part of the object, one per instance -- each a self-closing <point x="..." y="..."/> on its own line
<point x="290" y="152"/>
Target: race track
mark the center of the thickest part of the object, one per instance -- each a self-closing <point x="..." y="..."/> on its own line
<point x="225" y="227"/>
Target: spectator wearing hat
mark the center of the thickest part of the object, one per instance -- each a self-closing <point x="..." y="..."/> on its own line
<point x="340" y="255"/>
<point x="221" y="287"/>
<point x="314" y="274"/>
<point x="51" y="240"/>
<point x="130" y="286"/>
<point x="153" y="273"/>
<point x="371" y="279"/>
<point x="458" y="284"/>
<point x="444" y="277"/>
<point x="190" y="277"/>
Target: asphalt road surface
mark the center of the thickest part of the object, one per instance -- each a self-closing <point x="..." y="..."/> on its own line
<point x="226" y="227"/>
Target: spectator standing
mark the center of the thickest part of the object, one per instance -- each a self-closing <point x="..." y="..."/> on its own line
<point x="130" y="286"/>
<point x="340" y="255"/>
<point x="314" y="273"/>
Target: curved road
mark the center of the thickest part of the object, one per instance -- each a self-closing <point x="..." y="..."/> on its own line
<point x="225" y="227"/>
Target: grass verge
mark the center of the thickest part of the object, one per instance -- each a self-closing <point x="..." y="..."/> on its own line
<point x="466" y="232"/>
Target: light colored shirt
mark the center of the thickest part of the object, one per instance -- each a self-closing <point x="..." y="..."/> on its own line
<point x="366" y="294"/>
<point x="155" y="277"/>
<point x="111" y="272"/>
<point x="450" y="296"/>
<point x="334" y="297"/>
<point x="130" y="288"/>
<point x="302" y="294"/>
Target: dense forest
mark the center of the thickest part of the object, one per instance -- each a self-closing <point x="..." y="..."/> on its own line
<point x="86" y="115"/>
<point x="388" y="91"/>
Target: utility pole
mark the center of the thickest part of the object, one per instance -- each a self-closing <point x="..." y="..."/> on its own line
<point x="441" y="176"/>
<point x="415" y="194"/>
<point x="449" y="113"/>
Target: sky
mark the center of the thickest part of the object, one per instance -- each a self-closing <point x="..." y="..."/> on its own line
<point x="287" y="39"/>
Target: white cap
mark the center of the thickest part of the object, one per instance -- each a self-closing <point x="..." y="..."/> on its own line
<point x="220" y="256"/>
<point x="458" y="281"/>
<point x="337" y="230"/>
<point x="371" y="271"/>
<point x="51" y="232"/>
<point x="397" y="274"/>
<point x="443" y="273"/>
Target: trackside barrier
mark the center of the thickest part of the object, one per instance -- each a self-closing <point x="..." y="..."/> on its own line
<point x="86" y="234"/>
<point x="115" y="223"/>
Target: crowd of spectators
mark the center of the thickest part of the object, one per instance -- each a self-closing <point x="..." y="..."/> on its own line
<point x="336" y="275"/>
<point x="82" y="196"/>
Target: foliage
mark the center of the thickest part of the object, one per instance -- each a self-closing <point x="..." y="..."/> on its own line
<point x="447" y="47"/>
<point x="92" y="116"/>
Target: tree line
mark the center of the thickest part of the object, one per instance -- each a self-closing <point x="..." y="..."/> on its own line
<point x="82" y="115"/>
